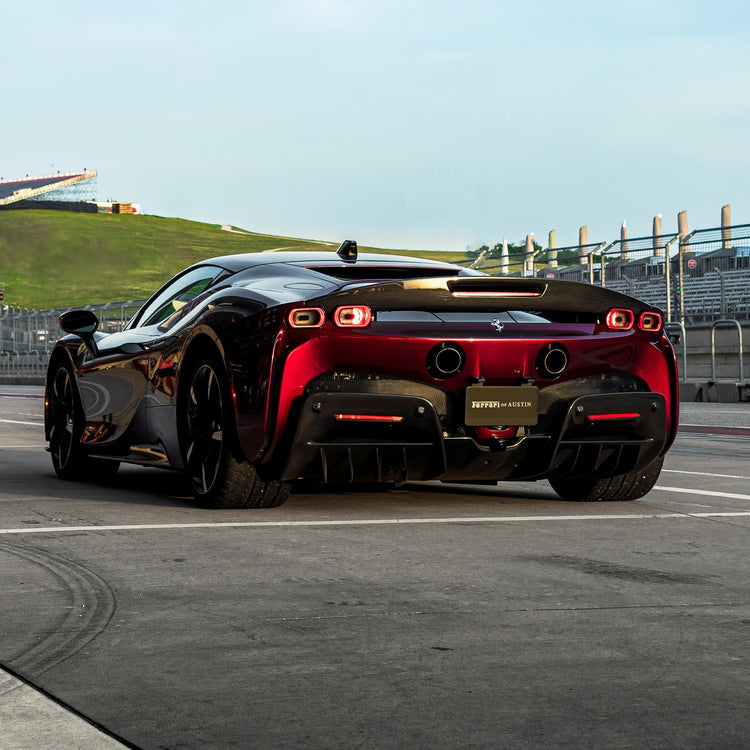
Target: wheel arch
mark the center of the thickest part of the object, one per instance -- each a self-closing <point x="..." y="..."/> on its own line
<point x="203" y="344"/>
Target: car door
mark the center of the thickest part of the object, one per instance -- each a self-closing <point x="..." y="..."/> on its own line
<point x="117" y="385"/>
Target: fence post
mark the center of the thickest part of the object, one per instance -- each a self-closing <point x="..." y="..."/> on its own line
<point x="681" y="328"/>
<point x="684" y="245"/>
<point x="668" y="274"/>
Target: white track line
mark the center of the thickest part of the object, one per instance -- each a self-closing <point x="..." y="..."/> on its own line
<point x="708" y="493"/>
<point x="375" y="522"/>
<point x="704" y="474"/>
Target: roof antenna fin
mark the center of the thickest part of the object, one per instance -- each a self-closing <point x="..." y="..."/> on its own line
<point x="348" y="250"/>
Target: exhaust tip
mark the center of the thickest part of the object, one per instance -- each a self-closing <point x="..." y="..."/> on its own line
<point x="552" y="361"/>
<point x="445" y="360"/>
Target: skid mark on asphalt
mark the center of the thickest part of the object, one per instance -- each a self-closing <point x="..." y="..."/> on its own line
<point x="91" y="606"/>
<point x="613" y="570"/>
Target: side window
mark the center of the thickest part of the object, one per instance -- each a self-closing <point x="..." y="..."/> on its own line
<point x="178" y="293"/>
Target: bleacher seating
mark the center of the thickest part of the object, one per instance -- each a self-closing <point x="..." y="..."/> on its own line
<point x="702" y="294"/>
<point x="79" y="186"/>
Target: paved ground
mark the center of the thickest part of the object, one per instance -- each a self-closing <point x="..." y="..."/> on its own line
<point x="432" y="616"/>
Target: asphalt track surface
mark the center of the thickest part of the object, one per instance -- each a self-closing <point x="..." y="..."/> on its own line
<point x="432" y="616"/>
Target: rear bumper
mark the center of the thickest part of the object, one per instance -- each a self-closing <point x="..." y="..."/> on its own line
<point x="594" y="435"/>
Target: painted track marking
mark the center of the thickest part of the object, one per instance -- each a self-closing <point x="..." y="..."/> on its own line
<point x="708" y="493"/>
<point x="376" y="522"/>
<point x="703" y="474"/>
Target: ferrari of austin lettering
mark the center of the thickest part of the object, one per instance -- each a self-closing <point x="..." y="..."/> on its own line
<point x="249" y="372"/>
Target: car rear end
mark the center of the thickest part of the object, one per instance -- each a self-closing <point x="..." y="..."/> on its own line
<point x="470" y="379"/>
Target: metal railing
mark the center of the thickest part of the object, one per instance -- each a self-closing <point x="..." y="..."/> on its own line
<point x="734" y="323"/>
<point x="27" y="336"/>
<point x="694" y="278"/>
<point x="699" y="277"/>
<point x="678" y="336"/>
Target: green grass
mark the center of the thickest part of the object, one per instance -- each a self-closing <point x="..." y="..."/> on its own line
<point x="51" y="259"/>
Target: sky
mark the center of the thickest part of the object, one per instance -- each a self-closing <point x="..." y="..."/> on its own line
<point x="432" y="124"/>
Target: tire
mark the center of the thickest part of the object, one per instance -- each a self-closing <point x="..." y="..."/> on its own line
<point x="622" y="487"/>
<point x="66" y="420"/>
<point x="274" y="494"/>
<point x="219" y="475"/>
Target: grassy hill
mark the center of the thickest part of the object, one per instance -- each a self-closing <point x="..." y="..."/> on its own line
<point x="52" y="259"/>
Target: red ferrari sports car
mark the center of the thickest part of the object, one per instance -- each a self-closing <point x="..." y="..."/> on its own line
<point x="248" y="372"/>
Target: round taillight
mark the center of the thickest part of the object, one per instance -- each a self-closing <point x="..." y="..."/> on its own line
<point x="353" y="316"/>
<point x="620" y="319"/>
<point x="650" y="321"/>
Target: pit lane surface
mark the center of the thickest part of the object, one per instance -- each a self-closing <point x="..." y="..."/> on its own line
<point x="431" y="616"/>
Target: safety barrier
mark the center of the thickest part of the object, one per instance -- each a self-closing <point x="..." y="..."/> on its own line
<point x="693" y="277"/>
<point x="736" y="324"/>
<point x="27" y="336"/>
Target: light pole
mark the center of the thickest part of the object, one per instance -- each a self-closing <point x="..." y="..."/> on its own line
<point x="722" y="304"/>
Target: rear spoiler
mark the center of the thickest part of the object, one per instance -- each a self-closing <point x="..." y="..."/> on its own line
<point x="486" y="293"/>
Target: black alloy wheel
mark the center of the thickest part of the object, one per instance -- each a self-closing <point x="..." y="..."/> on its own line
<point x="221" y="477"/>
<point x="204" y="429"/>
<point x="69" y="458"/>
<point x="65" y="425"/>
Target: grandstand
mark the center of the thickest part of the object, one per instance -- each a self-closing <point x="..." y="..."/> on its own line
<point x="709" y="270"/>
<point x="73" y="191"/>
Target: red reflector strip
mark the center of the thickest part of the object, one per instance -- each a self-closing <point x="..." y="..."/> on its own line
<point x="496" y="294"/>
<point x="368" y="418"/>
<point x="604" y="417"/>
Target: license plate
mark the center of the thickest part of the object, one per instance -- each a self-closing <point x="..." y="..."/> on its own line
<point x="501" y="405"/>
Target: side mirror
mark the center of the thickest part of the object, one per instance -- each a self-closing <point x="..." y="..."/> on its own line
<point x="82" y="323"/>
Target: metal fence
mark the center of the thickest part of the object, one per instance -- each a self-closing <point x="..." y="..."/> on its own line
<point x="696" y="278"/>
<point x="27" y="336"/>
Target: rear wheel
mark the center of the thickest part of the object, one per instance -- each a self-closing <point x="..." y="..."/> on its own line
<point x="66" y="419"/>
<point x="220" y="477"/>
<point x="630" y="486"/>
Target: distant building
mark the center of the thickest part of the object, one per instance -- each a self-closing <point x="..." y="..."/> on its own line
<point x="67" y="191"/>
<point x="117" y="207"/>
<point x="76" y="191"/>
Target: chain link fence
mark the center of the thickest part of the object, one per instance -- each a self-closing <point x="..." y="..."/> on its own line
<point x="697" y="278"/>
<point x="27" y="336"/>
